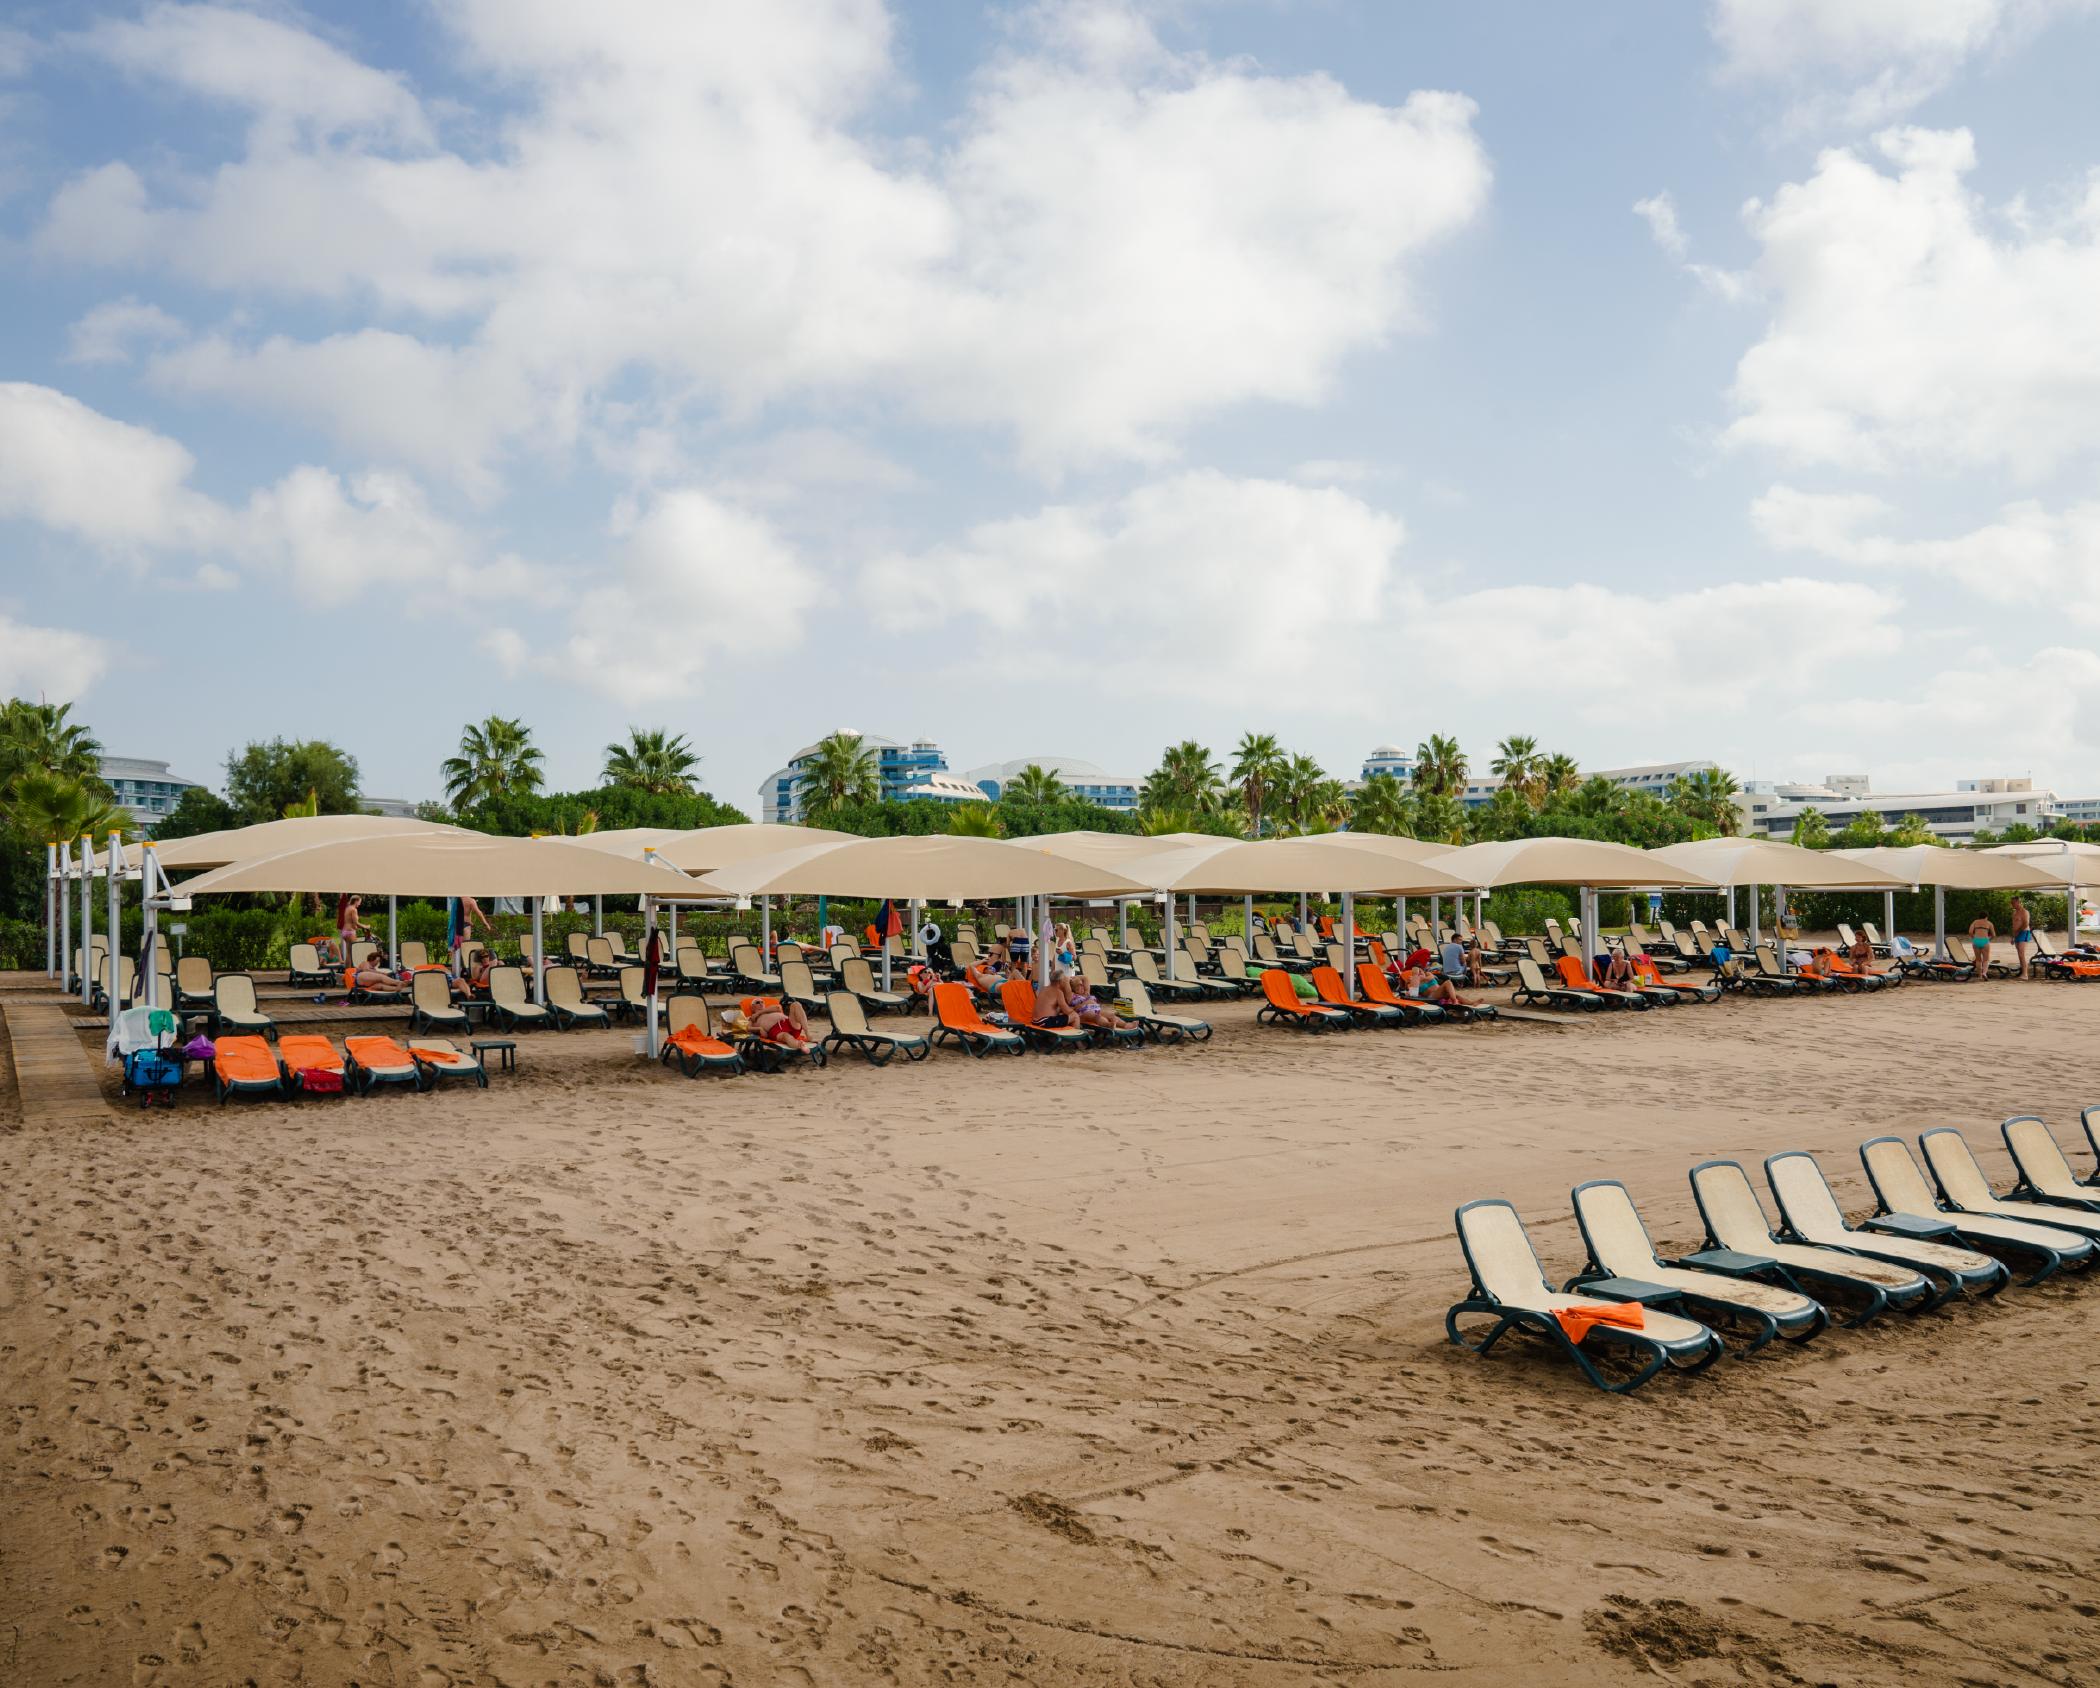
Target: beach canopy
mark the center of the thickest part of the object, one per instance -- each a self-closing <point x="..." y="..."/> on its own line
<point x="1770" y="861"/>
<point x="445" y="864"/>
<point x="2044" y="849"/>
<point x="1401" y="849"/>
<point x="1283" y="866"/>
<point x="703" y="849"/>
<point x="273" y="838"/>
<point x="928" y="868"/>
<point x="1960" y="870"/>
<point x="1566" y="861"/>
<point x="1109" y="849"/>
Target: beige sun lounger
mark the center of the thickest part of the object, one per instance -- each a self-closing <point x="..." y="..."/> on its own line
<point x="430" y="1004"/>
<point x="192" y="982"/>
<point x="566" y="1002"/>
<point x="850" y="1030"/>
<point x="233" y="1007"/>
<point x="508" y="1004"/>
<point x="1161" y="1028"/>
<point x="1968" y="1193"/>
<point x="2045" y="1176"/>
<point x="1903" y="1191"/>
<point x="858" y="979"/>
<point x="1736" y="1223"/>
<point x="1811" y="1213"/>
<point x="439" y="1057"/>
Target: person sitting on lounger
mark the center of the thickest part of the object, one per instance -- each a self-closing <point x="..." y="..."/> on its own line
<point x="373" y="977"/>
<point x="1053" y="1003"/>
<point x="1618" y="974"/>
<point x="1090" y="1011"/>
<point x="1861" y="954"/>
<point x="777" y="1022"/>
<point x="478" y="978"/>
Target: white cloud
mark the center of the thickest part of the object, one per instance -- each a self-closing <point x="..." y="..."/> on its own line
<point x="53" y="662"/>
<point x="106" y="333"/>
<point x="1113" y="241"/>
<point x="1659" y="212"/>
<point x="71" y="469"/>
<point x="288" y="78"/>
<point x="2044" y="563"/>
<point x="1860" y="63"/>
<point x="1912" y="328"/>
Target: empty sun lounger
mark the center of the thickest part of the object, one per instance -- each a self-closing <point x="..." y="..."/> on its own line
<point x="690" y="1043"/>
<point x="2045" y="1176"/>
<point x="371" y="1061"/>
<point x="565" y="1001"/>
<point x="245" y="1066"/>
<point x="1811" y="1214"/>
<point x="632" y="1002"/>
<point x="193" y="982"/>
<point x="1282" y="1006"/>
<point x="307" y="968"/>
<point x="1739" y="1238"/>
<point x="430" y="999"/>
<point x="850" y="1030"/>
<point x="1509" y="1288"/>
<point x="1534" y="989"/>
<point x="312" y="1065"/>
<point x="1620" y="1247"/>
<point x="508" y="1005"/>
<point x="1363" y="1010"/>
<point x="748" y="969"/>
<point x="1145" y="968"/>
<point x="439" y="1058"/>
<point x="857" y="976"/>
<point x="233" y="1007"/>
<point x="956" y="1020"/>
<point x="1964" y="1189"/>
<point x="1162" y="1028"/>
<point x="1901" y="1189"/>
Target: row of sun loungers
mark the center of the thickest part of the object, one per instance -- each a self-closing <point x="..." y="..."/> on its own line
<point x="1931" y="1238"/>
<point x="301" y="1064"/>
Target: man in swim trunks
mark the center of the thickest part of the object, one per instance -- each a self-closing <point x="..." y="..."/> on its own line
<point x="2022" y="935"/>
<point x="1981" y="932"/>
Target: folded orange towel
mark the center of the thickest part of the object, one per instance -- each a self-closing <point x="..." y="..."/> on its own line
<point x="694" y="1041"/>
<point x="376" y="1052"/>
<point x="245" y="1060"/>
<point x="440" y="1057"/>
<point x="1578" y="1322"/>
<point x="302" y="1051"/>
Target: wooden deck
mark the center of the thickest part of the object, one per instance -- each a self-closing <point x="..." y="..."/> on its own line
<point x="55" y="1074"/>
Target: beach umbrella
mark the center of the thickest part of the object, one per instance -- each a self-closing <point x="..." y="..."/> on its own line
<point x="705" y="848"/>
<point x="1963" y="870"/>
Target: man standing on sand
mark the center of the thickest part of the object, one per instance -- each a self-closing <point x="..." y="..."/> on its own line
<point x="2022" y="935"/>
<point x="1981" y="932"/>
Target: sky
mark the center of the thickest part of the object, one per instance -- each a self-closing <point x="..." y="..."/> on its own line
<point x="1661" y="379"/>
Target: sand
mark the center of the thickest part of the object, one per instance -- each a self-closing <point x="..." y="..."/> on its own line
<point x="1109" y="1369"/>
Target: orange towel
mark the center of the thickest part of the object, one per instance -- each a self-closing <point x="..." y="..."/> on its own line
<point x="442" y="1057"/>
<point x="693" y="1041"/>
<point x="301" y="1051"/>
<point x="376" y="1052"/>
<point x="245" y="1060"/>
<point x="1578" y="1322"/>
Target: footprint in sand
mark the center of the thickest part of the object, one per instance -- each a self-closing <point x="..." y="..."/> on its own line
<point x="216" y="1564"/>
<point x="113" y="1556"/>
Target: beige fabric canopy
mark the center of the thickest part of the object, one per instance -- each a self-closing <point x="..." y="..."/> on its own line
<point x="446" y="864"/>
<point x="2043" y="849"/>
<point x="1961" y="870"/>
<point x="1282" y="866"/>
<point x="1566" y="861"/>
<point x="1382" y="843"/>
<point x="703" y="849"/>
<point x="1769" y="861"/>
<point x="929" y="868"/>
<point x="271" y="838"/>
<point x="1110" y="849"/>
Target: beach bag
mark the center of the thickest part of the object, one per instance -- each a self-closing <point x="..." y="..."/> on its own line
<point x="200" y="1048"/>
<point x="1304" y="988"/>
<point x="1723" y="954"/>
<point x="320" y="1081"/>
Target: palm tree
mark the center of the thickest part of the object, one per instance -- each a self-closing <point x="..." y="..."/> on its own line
<point x="1330" y="804"/>
<point x="1440" y="767"/>
<point x="1192" y="779"/>
<point x="496" y="759"/>
<point x="1257" y="765"/>
<point x="1297" y="792"/>
<point x="1382" y="805"/>
<point x="38" y="737"/>
<point x="1157" y="820"/>
<point x="1557" y="776"/>
<point x="1707" y="795"/>
<point x="1812" y="830"/>
<point x="57" y="807"/>
<point x="1440" y="819"/>
<point x="976" y="820"/>
<point x="652" y="761"/>
<point x="1033" y="784"/>
<point x="839" y="771"/>
<point x="1516" y="764"/>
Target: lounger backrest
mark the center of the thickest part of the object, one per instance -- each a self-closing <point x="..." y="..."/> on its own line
<point x="1200" y="931"/>
<point x="1894" y="1173"/>
<point x="965" y="953"/>
<point x="966" y="933"/>
<point x="1139" y="998"/>
<point x="577" y="945"/>
<point x="1493" y="931"/>
<point x="467" y="952"/>
<point x="1668" y="931"/>
<point x="1094" y="972"/>
<point x="2041" y="1162"/>
<point x="1846" y="935"/>
<point x="1947" y="1153"/>
<point x="841" y="953"/>
<point x="233" y="993"/>
<point x="304" y="958"/>
<point x="797" y="980"/>
<point x="848" y="1016"/>
<point x="1197" y="951"/>
<point x="1503" y="1261"/>
<point x="1328" y="982"/>
<point x="1803" y="1194"/>
<point x="856" y="975"/>
<point x="1872" y="931"/>
<point x="430" y="993"/>
<point x="563" y="987"/>
<point x="744" y="957"/>
<point x="1276" y="986"/>
<point x="414" y="953"/>
<point x="618" y="940"/>
<point x="596" y="951"/>
<point x="1727" y="1200"/>
<point x="362" y="951"/>
<point x="1371" y="980"/>
<point x="954" y="1009"/>
<point x="631" y="980"/>
<point x="1142" y="964"/>
<point x="1612" y="1226"/>
<point x="1685" y="947"/>
<point x="525" y="946"/>
<point x="1540" y="955"/>
<point x="1573" y="974"/>
<point x="1017" y="997"/>
<point x="126" y="971"/>
<point x="683" y="1011"/>
<point x="1531" y="978"/>
<point x="1265" y="948"/>
<point x="1302" y="942"/>
<point x="507" y="986"/>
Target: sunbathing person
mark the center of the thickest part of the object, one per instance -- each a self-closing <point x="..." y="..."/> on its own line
<point x="1861" y="955"/>
<point x="777" y="1022"/>
<point x="1090" y="1011"/>
<point x="1053" y="1003"/>
<point x="1425" y="986"/>
<point x="373" y="977"/>
<point x="1618" y="974"/>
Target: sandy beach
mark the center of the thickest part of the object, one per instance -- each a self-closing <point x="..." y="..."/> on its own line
<point x="1109" y="1369"/>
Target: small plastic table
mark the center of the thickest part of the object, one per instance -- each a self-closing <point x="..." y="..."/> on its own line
<point x="503" y="1048"/>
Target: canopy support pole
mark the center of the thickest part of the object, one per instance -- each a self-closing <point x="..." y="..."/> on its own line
<point x="393" y="948"/>
<point x="1480" y="908"/>
<point x="918" y="944"/>
<point x="1169" y="940"/>
<point x="1779" y="922"/>
<point x="1400" y="931"/>
<point x="1123" y="924"/>
<point x="598" y="917"/>
<point x="149" y="945"/>
<point x="116" y="927"/>
<point x="765" y="937"/>
<point x="2070" y="900"/>
<point x="539" y="953"/>
<point x="648" y="932"/>
<point x="1301" y="911"/>
<point x="1756" y="936"/>
<point x="65" y="926"/>
<point x="1349" y="944"/>
<point x="1247" y="923"/>
<point x="1939" y="923"/>
<point x="87" y="918"/>
<point x="1888" y="921"/>
<point x="54" y="922"/>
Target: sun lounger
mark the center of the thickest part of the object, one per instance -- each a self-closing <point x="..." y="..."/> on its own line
<point x="1965" y="1191"/>
<point x="430" y="996"/>
<point x="1991" y="1226"/>
<point x="370" y="1061"/>
<point x="301" y="1054"/>
<point x="192" y="982"/>
<point x="632" y="1002"/>
<point x="127" y="984"/>
<point x="782" y="1050"/>
<point x="1145" y="969"/>
<point x="2051" y="965"/>
<point x="1363" y="1010"/>
<point x="956" y="1020"/>
<point x="1377" y="988"/>
<point x="593" y="955"/>
<point x="414" y="953"/>
<point x="856" y="976"/>
<point x="850" y="1030"/>
<point x="1739" y="1238"/>
<point x="748" y="969"/>
<point x="1576" y="976"/>
<point x="1810" y="1214"/>
<point x="508" y="1005"/>
<point x="244" y="1066"/>
<point x="1652" y="982"/>
<point x="2045" y="1176"/>
<point x="233" y="1007"/>
<point x="307" y="968"/>
<point x="1509" y="1287"/>
<point x="1620" y="1247"/>
<point x="1161" y="1028"/>
<point x="565" y="1001"/>
<point x="440" y="1058"/>
<point x="690" y="1042"/>
<point x="1282" y="1006"/>
<point x="1533" y="987"/>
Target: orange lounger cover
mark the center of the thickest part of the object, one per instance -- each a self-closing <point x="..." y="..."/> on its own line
<point x="1578" y="1322"/>
<point x="376" y="1052"/>
<point x="1277" y="988"/>
<point x="304" y="1051"/>
<point x="693" y="1041"/>
<point x="443" y="1057"/>
<point x="245" y="1060"/>
<point x="957" y="1012"/>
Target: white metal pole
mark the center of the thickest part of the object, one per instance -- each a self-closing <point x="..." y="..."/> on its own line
<point x="1349" y="944"/>
<point x="765" y="936"/>
<point x="87" y="918"/>
<point x="1939" y="922"/>
<point x="149" y="947"/>
<point x="598" y="911"/>
<point x="1888" y="919"/>
<point x="1301" y="911"/>
<point x="1755" y="934"/>
<point x="539" y="953"/>
<point x="2070" y="898"/>
<point x="918" y="947"/>
<point x="1480" y="908"/>
<point x="648" y="932"/>
<point x="1171" y="945"/>
<point x="54" y="925"/>
<point x="1400" y="931"/>
<point x="1123" y="923"/>
<point x="1779" y="922"/>
<point x="65" y="921"/>
<point x="1247" y="924"/>
<point x="393" y="947"/>
<point x="113" y="878"/>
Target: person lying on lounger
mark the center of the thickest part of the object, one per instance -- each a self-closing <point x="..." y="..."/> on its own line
<point x="1421" y="983"/>
<point x="775" y="1021"/>
<point x="1090" y="1011"/>
<point x="373" y="977"/>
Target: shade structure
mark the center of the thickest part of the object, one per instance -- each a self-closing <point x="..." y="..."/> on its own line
<point x="704" y="849"/>
<point x="1107" y="849"/>
<point x="1769" y="861"/>
<point x="1285" y="866"/>
<point x="460" y="864"/>
<point x="273" y="838"/>
<point x="1403" y="849"/>
<point x="1566" y="861"/>
<point x="2081" y="855"/>
<point x="938" y="866"/>
<point x="1958" y="870"/>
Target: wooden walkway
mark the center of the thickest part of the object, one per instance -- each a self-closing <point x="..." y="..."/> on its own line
<point x="55" y="1074"/>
